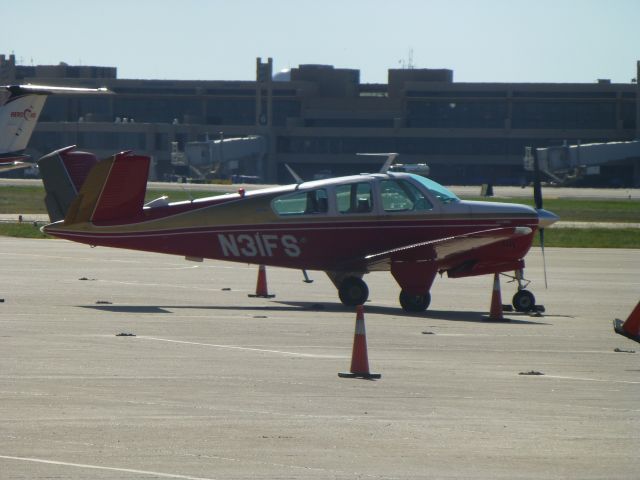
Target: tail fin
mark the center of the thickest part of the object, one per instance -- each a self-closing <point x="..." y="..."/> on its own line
<point x="63" y="173"/>
<point x="18" y="118"/>
<point x="113" y="190"/>
<point x="20" y="112"/>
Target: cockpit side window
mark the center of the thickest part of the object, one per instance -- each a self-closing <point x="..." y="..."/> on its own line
<point x="401" y="196"/>
<point x="302" y="203"/>
<point x="354" y="198"/>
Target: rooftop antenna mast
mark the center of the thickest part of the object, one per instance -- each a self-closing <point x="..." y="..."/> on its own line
<point x="408" y="63"/>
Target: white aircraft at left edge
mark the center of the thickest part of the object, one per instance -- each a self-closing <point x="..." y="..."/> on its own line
<point x="18" y="117"/>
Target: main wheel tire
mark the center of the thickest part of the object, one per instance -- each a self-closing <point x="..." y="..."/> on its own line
<point x="524" y="301"/>
<point x="353" y="291"/>
<point x="414" y="303"/>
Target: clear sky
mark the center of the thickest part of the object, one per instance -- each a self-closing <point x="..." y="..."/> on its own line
<point x="480" y="40"/>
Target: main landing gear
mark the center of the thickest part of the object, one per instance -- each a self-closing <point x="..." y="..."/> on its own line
<point x="414" y="303"/>
<point x="353" y="291"/>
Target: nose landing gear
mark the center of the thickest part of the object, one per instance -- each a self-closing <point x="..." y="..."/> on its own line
<point x="523" y="300"/>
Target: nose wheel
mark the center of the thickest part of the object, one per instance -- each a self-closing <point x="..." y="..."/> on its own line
<point x="524" y="301"/>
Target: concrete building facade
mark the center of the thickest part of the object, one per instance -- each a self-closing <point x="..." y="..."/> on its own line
<point x="317" y="118"/>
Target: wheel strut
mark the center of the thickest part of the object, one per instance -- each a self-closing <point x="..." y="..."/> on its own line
<point x="523" y="300"/>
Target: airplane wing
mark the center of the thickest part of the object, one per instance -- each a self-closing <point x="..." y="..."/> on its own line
<point x="14" y="163"/>
<point x="443" y="248"/>
<point x="47" y="89"/>
<point x="13" y="166"/>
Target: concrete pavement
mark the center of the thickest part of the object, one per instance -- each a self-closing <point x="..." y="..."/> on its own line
<point x="217" y="385"/>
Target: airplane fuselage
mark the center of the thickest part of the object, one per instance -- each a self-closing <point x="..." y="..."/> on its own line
<point x="249" y="227"/>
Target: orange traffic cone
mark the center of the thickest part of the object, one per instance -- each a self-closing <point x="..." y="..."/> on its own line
<point x="495" y="314"/>
<point x="261" y="285"/>
<point x="359" y="356"/>
<point x="631" y="327"/>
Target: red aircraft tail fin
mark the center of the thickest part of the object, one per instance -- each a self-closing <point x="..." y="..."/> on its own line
<point x="122" y="195"/>
<point x="63" y="174"/>
<point x="113" y="191"/>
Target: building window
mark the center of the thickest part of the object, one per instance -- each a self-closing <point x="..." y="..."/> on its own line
<point x="628" y="114"/>
<point x="112" y="140"/>
<point x="161" y="141"/>
<point x="231" y="111"/>
<point x="283" y="109"/>
<point x="564" y="115"/>
<point x="456" y="114"/>
<point x="157" y="110"/>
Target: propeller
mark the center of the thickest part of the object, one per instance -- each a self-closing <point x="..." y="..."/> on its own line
<point x="537" y="198"/>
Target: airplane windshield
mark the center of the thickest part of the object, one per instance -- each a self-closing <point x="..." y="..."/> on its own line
<point x="441" y="193"/>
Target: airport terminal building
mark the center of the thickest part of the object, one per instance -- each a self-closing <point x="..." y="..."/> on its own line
<point x="318" y="118"/>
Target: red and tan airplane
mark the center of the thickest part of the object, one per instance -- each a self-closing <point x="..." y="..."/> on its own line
<point x="346" y="226"/>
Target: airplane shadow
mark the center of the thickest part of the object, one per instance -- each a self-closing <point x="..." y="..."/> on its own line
<point x="475" y="317"/>
<point x="281" y="306"/>
<point x="171" y="308"/>
<point x="511" y="318"/>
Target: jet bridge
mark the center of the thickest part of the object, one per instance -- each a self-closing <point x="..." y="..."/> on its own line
<point x="223" y="158"/>
<point x="567" y="163"/>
